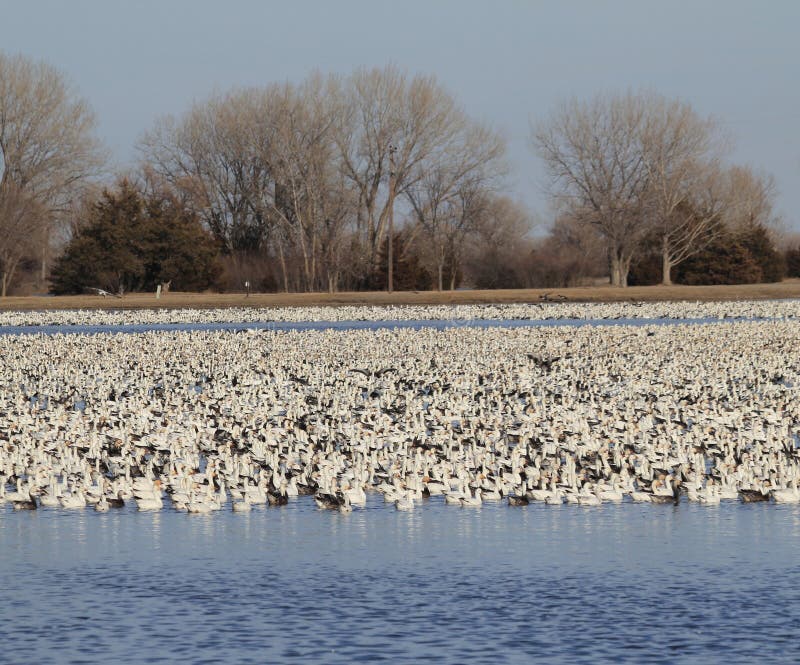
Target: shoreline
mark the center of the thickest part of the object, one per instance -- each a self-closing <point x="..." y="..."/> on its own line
<point x="596" y="294"/>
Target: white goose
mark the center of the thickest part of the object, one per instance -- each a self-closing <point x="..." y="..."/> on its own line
<point x="474" y="501"/>
<point x="356" y="495"/>
<point x="555" y="498"/>
<point x="588" y="498"/>
<point x="74" y="500"/>
<point x="51" y="498"/>
<point x="710" y="495"/>
<point x="149" y="504"/>
<point x="242" y="506"/>
<point x="405" y="502"/>
<point x="787" y="495"/>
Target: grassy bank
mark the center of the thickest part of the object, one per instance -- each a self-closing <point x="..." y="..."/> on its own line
<point x="786" y="289"/>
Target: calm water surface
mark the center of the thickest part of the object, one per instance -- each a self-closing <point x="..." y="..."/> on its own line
<point x="439" y="324"/>
<point x="629" y="583"/>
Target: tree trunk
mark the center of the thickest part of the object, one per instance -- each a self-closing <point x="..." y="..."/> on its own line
<point x="314" y="251"/>
<point x="614" y="270"/>
<point x="624" y="269"/>
<point x="666" y="264"/>
<point x="373" y="247"/>
<point x="440" y="271"/>
<point x="3" y="284"/>
<point x="283" y="268"/>
<point x="43" y="276"/>
<point x="620" y="266"/>
<point x="306" y="264"/>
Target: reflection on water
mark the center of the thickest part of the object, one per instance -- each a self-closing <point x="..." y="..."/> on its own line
<point x="628" y="583"/>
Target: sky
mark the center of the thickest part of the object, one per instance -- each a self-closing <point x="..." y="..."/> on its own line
<point x="509" y="62"/>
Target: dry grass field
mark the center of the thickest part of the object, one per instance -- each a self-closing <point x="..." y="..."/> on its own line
<point x="785" y="289"/>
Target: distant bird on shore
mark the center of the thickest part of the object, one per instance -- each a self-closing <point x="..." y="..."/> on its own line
<point x="102" y="292"/>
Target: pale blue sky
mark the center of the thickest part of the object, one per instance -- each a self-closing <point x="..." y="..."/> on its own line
<point x="507" y="61"/>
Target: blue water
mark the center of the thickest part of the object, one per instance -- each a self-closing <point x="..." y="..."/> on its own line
<point x="631" y="583"/>
<point x="439" y="324"/>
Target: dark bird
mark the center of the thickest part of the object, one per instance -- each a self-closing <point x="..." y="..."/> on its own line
<point x="753" y="496"/>
<point x="25" y="504"/>
<point x="277" y="497"/>
<point x="116" y="501"/>
<point x="329" y="501"/>
<point x="546" y="297"/>
<point x="674" y="498"/>
<point x="377" y="373"/>
<point x="543" y="363"/>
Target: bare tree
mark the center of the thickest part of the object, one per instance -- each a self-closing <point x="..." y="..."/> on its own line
<point x="301" y="171"/>
<point x="593" y="154"/>
<point x="47" y="146"/>
<point x="214" y="155"/>
<point x="579" y="247"/>
<point x="21" y="221"/>
<point x="750" y="200"/>
<point x="450" y="197"/>
<point x="682" y="152"/>
<point x="572" y="254"/>
<point x="383" y="108"/>
<point x="262" y="169"/>
<point x="312" y="200"/>
<point x="337" y="213"/>
<point x="499" y="247"/>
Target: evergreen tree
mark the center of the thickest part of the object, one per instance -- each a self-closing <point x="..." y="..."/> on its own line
<point x="792" y="262"/>
<point x="768" y="259"/>
<point x="725" y="261"/>
<point x="133" y="242"/>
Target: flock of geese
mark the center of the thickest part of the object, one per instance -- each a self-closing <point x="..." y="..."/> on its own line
<point x="545" y="310"/>
<point x="209" y="420"/>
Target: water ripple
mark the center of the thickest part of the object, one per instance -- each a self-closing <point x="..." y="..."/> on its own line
<point x="635" y="585"/>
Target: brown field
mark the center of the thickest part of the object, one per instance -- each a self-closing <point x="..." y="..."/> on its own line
<point x="785" y="289"/>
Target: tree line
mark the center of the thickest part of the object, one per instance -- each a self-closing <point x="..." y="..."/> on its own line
<point x="337" y="182"/>
<point x="647" y="176"/>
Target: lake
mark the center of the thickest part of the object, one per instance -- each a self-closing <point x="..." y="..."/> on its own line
<point x="634" y="583"/>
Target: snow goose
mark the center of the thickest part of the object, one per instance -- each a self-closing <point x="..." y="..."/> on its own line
<point x="405" y="502"/>
<point x="473" y="501"/>
<point x="787" y="495"/>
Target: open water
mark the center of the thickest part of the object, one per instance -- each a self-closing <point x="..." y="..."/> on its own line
<point x="632" y="583"/>
<point x="439" y="324"/>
